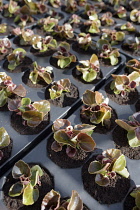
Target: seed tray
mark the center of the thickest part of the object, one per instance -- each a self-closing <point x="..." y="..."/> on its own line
<point x="68" y="179"/>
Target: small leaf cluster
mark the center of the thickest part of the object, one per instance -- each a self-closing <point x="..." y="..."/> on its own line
<point x="53" y="201"/>
<point x="32" y="113"/>
<point x="40" y="73"/>
<point x="114" y="37"/>
<point x="3" y="27"/>
<point x="132" y="44"/>
<point x="133" y="65"/>
<point x="55" y="3"/>
<point x="96" y="108"/>
<point x="4" y="140"/>
<point x="48" y="23"/>
<point x="93" y="26"/>
<point x="84" y="40"/>
<point x="8" y="88"/>
<point x="75" y="19"/>
<point x="128" y="27"/>
<point x="59" y="87"/>
<point x="107" y="52"/>
<point x="136" y="194"/>
<point x="16" y="58"/>
<point x="5" y="44"/>
<point x="11" y="9"/>
<point x="74" y="138"/>
<point x="107" y="165"/>
<point x="28" y="178"/>
<point x="106" y="19"/>
<point x="123" y="83"/>
<point x="63" y="56"/>
<point x="64" y="31"/>
<point x="135" y="15"/>
<point x="25" y="35"/>
<point x="89" y="68"/>
<point x="121" y="12"/>
<point x="132" y="126"/>
<point x="71" y="6"/>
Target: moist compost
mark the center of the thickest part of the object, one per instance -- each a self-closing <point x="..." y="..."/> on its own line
<point x="17" y="42"/>
<point x="137" y="106"/>
<point x="129" y="202"/>
<point x="21" y="67"/>
<point x="105" y="195"/>
<point x="15" y="203"/>
<point x="121" y="142"/>
<point x="40" y="84"/>
<point x="78" y="76"/>
<point x="99" y="128"/>
<point x="62" y="160"/>
<point x="39" y="30"/>
<point x="41" y="54"/>
<point x="130" y="51"/>
<point x="66" y="99"/>
<point x="76" y="47"/>
<point x="6" y="152"/>
<point x="129" y="98"/>
<point x="17" y="124"/>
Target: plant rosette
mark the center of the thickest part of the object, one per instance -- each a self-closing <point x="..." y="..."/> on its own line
<point x="120" y="12"/>
<point x="64" y="32"/>
<point x="9" y="90"/>
<point x="71" y="6"/>
<point x="107" y="53"/>
<point x="43" y="46"/>
<point x="38" y="76"/>
<point x="122" y="89"/>
<point x="107" y="20"/>
<point x="63" y="58"/>
<point x="135" y="16"/>
<point x="26" y="186"/>
<point x="11" y="9"/>
<point x="92" y="26"/>
<point x="96" y="111"/>
<point x="5" y="47"/>
<point x="53" y="201"/>
<point x="114" y="37"/>
<point x="131" y="202"/>
<point x="17" y="61"/>
<point x="29" y="118"/>
<point x="55" y="3"/>
<point x="84" y="41"/>
<point x="70" y="145"/>
<point x="133" y="65"/>
<point x="104" y="175"/>
<point x="23" y="36"/>
<point x="127" y="136"/>
<point x="127" y="27"/>
<point x="89" y="69"/>
<point x="75" y="21"/>
<point x="132" y="46"/>
<point x="6" y="145"/>
<point x="62" y="93"/>
<point x="5" y="30"/>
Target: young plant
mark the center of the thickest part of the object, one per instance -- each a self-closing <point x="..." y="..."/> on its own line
<point x="106" y="19"/>
<point x="74" y="138"/>
<point x="40" y="73"/>
<point x="5" y="45"/>
<point x="128" y="27"/>
<point x="53" y="201"/>
<point x="32" y="113"/>
<point x="27" y="181"/>
<point x="16" y="58"/>
<point x="107" y="165"/>
<point x="132" y="126"/>
<point x="82" y="3"/>
<point x="63" y="56"/>
<point x="64" y="31"/>
<point x="107" y="52"/>
<point x="25" y="35"/>
<point x="132" y="44"/>
<point x="44" y="44"/>
<point x="55" y="3"/>
<point x="48" y="23"/>
<point x="3" y="28"/>
<point x="11" y="9"/>
<point x="75" y="19"/>
<point x="4" y="141"/>
<point x="123" y="83"/>
<point x="71" y="6"/>
<point x="133" y="65"/>
<point x="114" y="37"/>
<point x="89" y="68"/>
<point x="8" y="88"/>
<point x="135" y="15"/>
<point x="59" y="87"/>
<point x="93" y="26"/>
<point x="35" y="7"/>
<point x="121" y="12"/>
<point x="96" y="108"/>
<point x="136" y="194"/>
<point x="84" y="41"/>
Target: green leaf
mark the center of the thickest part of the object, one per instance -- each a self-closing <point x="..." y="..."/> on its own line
<point x="63" y="63"/>
<point x="61" y="137"/>
<point x="89" y="97"/>
<point x="125" y="125"/>
<point x="94" y="167"/>
<point x="84" y="128"/>
<point x="3" y="98"/>
<point x="137" y="200"/>
<point x="30" y="195"/>
<point x="36" y="172"/>
<point x="21" y="168"/>
<point x="134" y="193"/>
<point x="89" y="76"/>
<point x="119" y="164"/>
<point x="101" y="180"/>
<point x="25" y="101"/>
<point x="42" y="106"/>
<point x="16" y="189"/>
<point x="46" y="77"/>
<point x="4" y="138"/>
<point x="75" y="202"/>
<point x="113" y="60"/>
<point x="60" y="124"/>
<point x="124" y="173"/>
<point x="33" y="76"/>
<point x="86" y="142"/>
<point x="132" y="139"/>
<point x="32" y="115"/>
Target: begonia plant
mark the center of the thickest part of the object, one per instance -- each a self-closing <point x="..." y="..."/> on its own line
<point x="132" y="126"/>
<point x="75" y="19"/>
<point x="93" y="26"/>
<point x="3" y="28"/>
<point x="28" y="180"/>
<point x="32" y="113"/>
<point x="8" y="88"/>
<point x="133" y="44"/>
<point x="5" y="45"/>
<point x="122" y="84"/>
<point x="64" y="31"/>
<point x="135" y="15"/>
<point x="48" y="23"/>
<point x="25" y="35"/>
<point x="107" y="166"/>
<point x="106" y="19"/>
<point x="128" y="27"/>
<point x="121" y="12"/>
<point x="4" y="141"/>
<point x="133" y="65"/>
<point x="53" y="201"/>
<point x="71" y="6"/>
<point x="84" y="40"/>
<point x="136" y="194"/>
<point x="96" y="108"/>
<point x="11" y="9"/>
<point x="55" y="3"/>
<point x="74" y="138"/>
<point x="89" y="68"/>
<point x="114" y="37"/>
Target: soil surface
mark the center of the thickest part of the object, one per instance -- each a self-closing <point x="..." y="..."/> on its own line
<point x="105" y="195"/>
<point x="129" y="98"/>
<point x="121" y="142"/>
<point x="17" y="124"/>
<point x="17" y="42"/>
<point x="66" y="99"/>
<point x="61" y="159"/>
<point x="6" y="152"/>
<point x="76" y="47"/>
<point x="41" y="54"/>
<point x="15" y="203"/>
